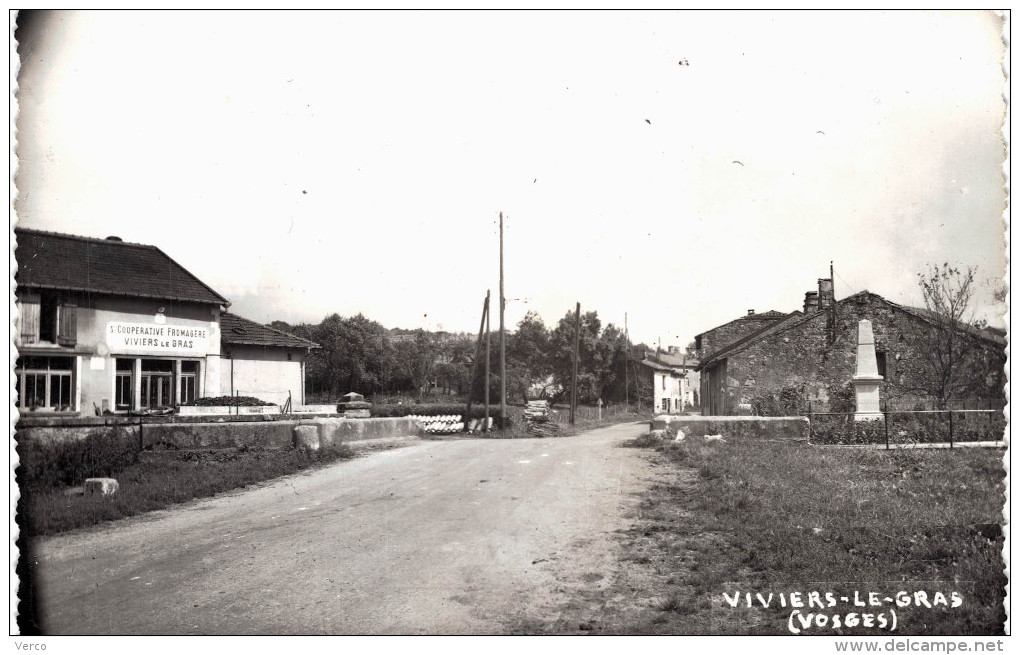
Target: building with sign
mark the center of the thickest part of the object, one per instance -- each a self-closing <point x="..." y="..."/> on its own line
<point x="108" y="326"/>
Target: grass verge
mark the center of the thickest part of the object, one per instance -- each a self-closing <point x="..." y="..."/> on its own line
<point x="778" y="518"/>
<point x="157" y="484"/>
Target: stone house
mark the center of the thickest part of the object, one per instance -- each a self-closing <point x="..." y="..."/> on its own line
<point x="812" y="353"/>
<point x="106" y="326"/>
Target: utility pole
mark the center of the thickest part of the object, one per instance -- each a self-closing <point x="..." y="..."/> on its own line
<point x="573" y="377"/>
<point x="474" y="363"/>
<point x="487" y="362"/>
<point x="626" y="364"/>
<point x="502" y="334"/>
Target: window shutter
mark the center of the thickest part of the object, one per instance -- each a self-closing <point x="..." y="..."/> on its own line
<point x="67" y="325"/>
<point x="28" y="311"/>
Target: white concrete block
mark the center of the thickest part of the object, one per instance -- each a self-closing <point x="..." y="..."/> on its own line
<point x="103" y="486"/>
<point x="307" y="436"/>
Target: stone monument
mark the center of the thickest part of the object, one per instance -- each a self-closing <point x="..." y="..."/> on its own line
<point x="866" y="379"/>
<point x="353" y="405"/>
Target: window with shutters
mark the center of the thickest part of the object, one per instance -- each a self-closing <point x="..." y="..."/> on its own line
<point x="67" y="324"/>
<point x="28" y="317"/>
<point x="46" y="318"/>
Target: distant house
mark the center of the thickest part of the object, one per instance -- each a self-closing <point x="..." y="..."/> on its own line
<point x="814" y="352"/>
<point x="106" y="326"/>
<point x="668" y="378"/>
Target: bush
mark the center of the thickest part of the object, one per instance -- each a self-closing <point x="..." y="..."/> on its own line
<point x="842" y="398"/>
<point x="787" y="401"/>
<point x="477" y="411"/>
<point x="68" y="463"/>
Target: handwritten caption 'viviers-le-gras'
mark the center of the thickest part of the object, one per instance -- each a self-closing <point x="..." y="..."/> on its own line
<point x="824" y="610"/>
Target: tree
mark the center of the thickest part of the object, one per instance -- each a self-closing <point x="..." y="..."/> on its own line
<point x="417" y="360"/>
<point x="947" y="347"/>
<point x="591" y="361"/>
<point x="527" y="357"/>
<point x="611" y="358"/>
<point x="453" y="367"/>
<point x="355" y="355"/>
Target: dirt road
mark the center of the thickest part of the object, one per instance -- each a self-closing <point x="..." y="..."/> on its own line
<point x="473" y="536"/>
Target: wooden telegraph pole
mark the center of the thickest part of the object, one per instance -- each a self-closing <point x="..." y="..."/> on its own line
<point x="502" y="334"/>
<point x="626" y="364"/>
<point x="573" y="376"/>
<point x="478" y="350"/>
<point x="486" y="362"/>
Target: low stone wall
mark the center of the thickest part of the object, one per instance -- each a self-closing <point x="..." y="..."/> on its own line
<point x="735" y="427"/>
<point x="219" y="434"/>
<point x="271" y="434"/>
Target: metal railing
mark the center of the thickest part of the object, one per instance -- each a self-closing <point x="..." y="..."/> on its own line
<point x="908" y="427"/>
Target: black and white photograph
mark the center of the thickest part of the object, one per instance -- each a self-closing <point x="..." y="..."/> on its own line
<point x="577" y="323"/>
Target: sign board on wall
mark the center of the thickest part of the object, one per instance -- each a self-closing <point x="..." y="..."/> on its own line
<point x="150" y="339"/>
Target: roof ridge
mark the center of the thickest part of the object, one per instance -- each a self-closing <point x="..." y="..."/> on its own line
<point x="197" y="279"/>
<point x="81" y="237"/>
<point x="736" y="346"/>
<point x="267" y="327"/>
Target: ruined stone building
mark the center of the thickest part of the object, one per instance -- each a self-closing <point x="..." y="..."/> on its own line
<point x="810" y="355"/>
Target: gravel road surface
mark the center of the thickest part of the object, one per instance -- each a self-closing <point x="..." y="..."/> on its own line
<point x="441" y="537"/>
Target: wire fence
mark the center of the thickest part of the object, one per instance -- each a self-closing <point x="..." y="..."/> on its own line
<point x="908" y="427"/>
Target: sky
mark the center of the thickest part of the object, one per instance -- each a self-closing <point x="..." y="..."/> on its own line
<point x="673" y="168"/>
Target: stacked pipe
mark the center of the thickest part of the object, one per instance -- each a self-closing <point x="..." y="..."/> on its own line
<point x="444" y="424"/>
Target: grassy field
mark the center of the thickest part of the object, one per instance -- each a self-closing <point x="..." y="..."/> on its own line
<point x="151" y="485"/>
<point x="754" y="517"/>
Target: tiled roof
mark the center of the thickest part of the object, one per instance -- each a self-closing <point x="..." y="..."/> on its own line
<point x="677" y="360"/>
<point x="241" y="331"/>
<point x="771" y="314"/>
<point x="796" y="318"/>
<point x="51" y="260"/>
<point x="736" y="346"/>
<point x="651" y="363"/>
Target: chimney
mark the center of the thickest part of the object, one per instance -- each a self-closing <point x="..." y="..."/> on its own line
<point x="750" y="312"/>
<point x="810" y="302"/>
<point x="672" y="350"/>
<point x="824" y="293"/>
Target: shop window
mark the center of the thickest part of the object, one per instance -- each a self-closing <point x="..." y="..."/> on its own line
<point x="189" y="382"/>
<point x="124" y="398"/>
<point x="157" y="384"/>
<point x="45" y="383"/>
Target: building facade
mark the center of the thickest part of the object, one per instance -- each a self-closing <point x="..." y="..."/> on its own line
<point x="106" y="326"/>
<point x="812" y="355"/>
<point x="261" y="361"/>
<point x="666" y="379"/>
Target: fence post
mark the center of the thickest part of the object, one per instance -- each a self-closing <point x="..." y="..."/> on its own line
<point x="885" y="414"/>
<point x="810" y="431"/>
<point x="950" y="429"/>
